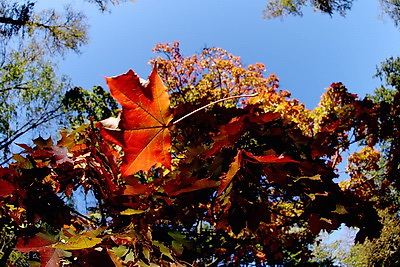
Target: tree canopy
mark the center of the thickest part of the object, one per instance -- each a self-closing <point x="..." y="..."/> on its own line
<point x="207" y="163"/>
<point x="177" y="181"/>
<point x="56" y="31"/>
<point x="282" y="8"/>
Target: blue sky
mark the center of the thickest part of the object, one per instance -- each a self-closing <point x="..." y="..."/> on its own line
<point x="307" y="53"/>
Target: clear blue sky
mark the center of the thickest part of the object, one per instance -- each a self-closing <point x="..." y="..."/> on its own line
<point x="307" y="53"/>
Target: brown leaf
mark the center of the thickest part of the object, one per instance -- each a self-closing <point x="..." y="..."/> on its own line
<point x="134" y="187"/>
<point x="41" y="143"/>
<point x="317" y="223"/>
<point x="197" y="185"/>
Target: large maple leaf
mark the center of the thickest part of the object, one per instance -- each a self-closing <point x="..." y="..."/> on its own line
<point x="142" y="127"/>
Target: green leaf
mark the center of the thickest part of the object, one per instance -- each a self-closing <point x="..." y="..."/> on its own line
<point x="180" y="239"/>
<point x="130" y="257"/>
<point x="177" y="247"/>
<point x="120" y="251"/>
<point x="164" y="249"/>
<point x="176" y="235"/>
<point x="146" y="253"/>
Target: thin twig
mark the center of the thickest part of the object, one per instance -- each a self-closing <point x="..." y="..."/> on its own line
<point x="83" y="216"/>
<point x="21" y="131"/>
<point x="206" y="106"/>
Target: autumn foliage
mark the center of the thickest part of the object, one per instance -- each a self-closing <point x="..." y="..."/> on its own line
<point x="249" y="179"/>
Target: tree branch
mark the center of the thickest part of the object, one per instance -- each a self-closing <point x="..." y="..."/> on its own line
<point x="31" y="124"/>
<point x="17" y="22"/>
<point x="210" y="104"/>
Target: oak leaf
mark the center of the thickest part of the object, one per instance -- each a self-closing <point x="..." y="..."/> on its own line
<point x="142" y="127"/>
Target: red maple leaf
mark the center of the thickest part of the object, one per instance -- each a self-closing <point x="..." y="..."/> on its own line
<point x="196" y="185"/>
<point x="6" y="188"/>
<point x="230" y="133"/>
<point x="269" y="158"/>
<point x="42" y="243"/>
<point x="142" y="127"/>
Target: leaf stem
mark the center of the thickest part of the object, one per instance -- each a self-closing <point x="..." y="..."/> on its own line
<point x="206" y="106"/>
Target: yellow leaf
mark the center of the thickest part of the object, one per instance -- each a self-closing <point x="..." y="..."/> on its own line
<point x="340" y="210"/>
<point x="131" y="212"/>
<point x="79" y="243"/>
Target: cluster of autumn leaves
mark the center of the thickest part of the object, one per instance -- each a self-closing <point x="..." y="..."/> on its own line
<point x="245" y="180"/>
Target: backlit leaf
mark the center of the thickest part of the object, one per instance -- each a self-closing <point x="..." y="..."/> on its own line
<point x="164" y="249"/>
<point x="269" y="158"/>
<point x="120" y="251"/>
<point x="79" y="242"/>
<point x="233" y="169"/>
<point x="134" y="187"/>
<point x="142" y="129"/>
<point x="314" y="178"/>
<point x="131" y="212"/>
<point x="41" y="143"/>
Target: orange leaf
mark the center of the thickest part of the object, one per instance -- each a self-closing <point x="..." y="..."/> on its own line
<point x="269" y="158"/>
<point x="233" y="169"/>
<point x="139" y="189"/>
<point x="133" y="187"/>
<point x="141" y="130"/>
<point x="230" y="133"/>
